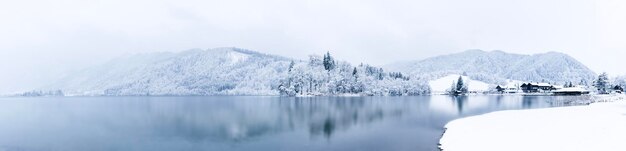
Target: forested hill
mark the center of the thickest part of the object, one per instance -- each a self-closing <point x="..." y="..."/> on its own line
<point x="497" y="66"/>
<point x="233" y="71"/>
<point x="324" y="75"/>
<point x="219" y="71"/>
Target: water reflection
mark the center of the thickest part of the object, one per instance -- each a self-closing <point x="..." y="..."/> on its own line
<point x="460" y="101"/>
<point x="243" y="123"/>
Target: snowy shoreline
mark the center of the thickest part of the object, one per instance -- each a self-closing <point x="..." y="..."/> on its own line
<point x="598" y="126"/>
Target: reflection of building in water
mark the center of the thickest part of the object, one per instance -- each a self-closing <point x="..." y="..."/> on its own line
<point x="527" y="101"/>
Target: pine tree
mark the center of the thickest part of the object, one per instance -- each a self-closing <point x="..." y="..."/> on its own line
<point x="583" y="82"/>
<point x="452" y="90"/>
<point x="461" y="87"/>
<point x="291" y="65"/>
<point x="571" y="84"/>
<point x="329" y="62"/>
<point x="602" y="83"/>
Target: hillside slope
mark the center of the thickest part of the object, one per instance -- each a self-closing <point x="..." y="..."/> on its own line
<point x="233" y="71"/>
<point x="219" y="71"/>
<point x="497" y="66"/>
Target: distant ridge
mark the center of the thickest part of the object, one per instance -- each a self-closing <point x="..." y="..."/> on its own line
<point x="217" y="71"/>
<point x="497" y="66"/>
<point x="236" y="71"/>
<point x="232" y="71"/>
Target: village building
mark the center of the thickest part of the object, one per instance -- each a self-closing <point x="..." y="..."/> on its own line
<point x="536" y="87"/>
<point x="507" y="89"/>
<point x="579" y="90"/>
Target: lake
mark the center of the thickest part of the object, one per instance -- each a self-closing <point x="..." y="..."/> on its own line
<point x="244" y="123"/>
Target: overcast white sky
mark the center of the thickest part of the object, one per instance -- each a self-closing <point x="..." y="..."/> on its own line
<point x="41" y="39"/>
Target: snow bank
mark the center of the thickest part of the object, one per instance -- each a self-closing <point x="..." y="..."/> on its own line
<point x="441" y="85"/>
<point x="572" y="89"/>
<point x="599" y="126"/>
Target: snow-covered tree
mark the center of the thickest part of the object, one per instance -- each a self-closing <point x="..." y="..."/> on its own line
<point x="602" y="83"/>
<point x="570" y="85"/>
<point x="458" y="87"/>
<point x="582" y="82"/>
<point x="461" y="87"/>
<point x="329" y="61"/>
<point x="35" y="93"/>
<point x="452" y="89"/>
<point x="291" y="64"/>
<point x="347" y="79"/>
<point x="620" y="81"/>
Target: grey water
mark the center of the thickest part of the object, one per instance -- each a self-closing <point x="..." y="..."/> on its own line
<point x="244" y="123"/>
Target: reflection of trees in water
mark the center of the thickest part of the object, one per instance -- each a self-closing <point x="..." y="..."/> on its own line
<point x="234" y="120"/>
<point x="460" y="102"/>
<point x="241" y="120"/>
<point x="324" y="116"/>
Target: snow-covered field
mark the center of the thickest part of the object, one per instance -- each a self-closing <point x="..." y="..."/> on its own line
<point x="441" y="85"/>
<point x="599" y="126"/>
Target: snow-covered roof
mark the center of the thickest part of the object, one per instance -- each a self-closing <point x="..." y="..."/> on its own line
<point x="572" y="89"/>
<point x="544" y="84"/>
<point x="540" y="84"/>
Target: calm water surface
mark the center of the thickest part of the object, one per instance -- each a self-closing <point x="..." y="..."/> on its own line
<point x="247" y="123"/>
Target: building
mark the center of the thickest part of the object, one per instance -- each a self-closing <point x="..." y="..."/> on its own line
<point x="536" y="87"/>
<point x="571" y="91"/>
<point x="618" y="89"/>
<point x="507" y="89"/>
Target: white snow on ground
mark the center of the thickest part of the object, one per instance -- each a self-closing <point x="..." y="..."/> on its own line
<point x="572" y="89"/>
<point x="441" y="85"/>
<point x="599" y="126"/>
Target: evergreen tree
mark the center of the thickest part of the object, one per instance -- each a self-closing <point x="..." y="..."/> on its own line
<point x="583" y="82"/>
<point x="452" y="90"/>
<point x="571" y="84"/>
<point x="291" y="65"/>
<point x="329" y="62"/>
<point x="602" y="83"/>
<point x="461" y="87"/>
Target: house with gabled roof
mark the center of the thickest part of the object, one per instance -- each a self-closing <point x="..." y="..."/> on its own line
<point x="537" y="87"/>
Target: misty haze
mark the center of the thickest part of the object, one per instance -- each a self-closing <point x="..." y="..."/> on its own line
<point x="323" y="75"/>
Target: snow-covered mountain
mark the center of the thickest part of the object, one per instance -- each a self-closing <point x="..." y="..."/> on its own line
<point x="234" y="71"/>
<point x="496" y="67"/>
<point x="219" y="71"/>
